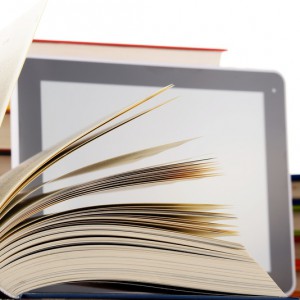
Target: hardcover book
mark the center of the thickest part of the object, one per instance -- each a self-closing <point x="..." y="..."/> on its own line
<point x="125" y="53"/>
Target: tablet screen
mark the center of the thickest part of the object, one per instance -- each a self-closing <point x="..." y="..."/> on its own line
<point x="229" y="127"/>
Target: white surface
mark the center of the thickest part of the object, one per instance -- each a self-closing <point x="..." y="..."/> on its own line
<point x="213" y="115"/>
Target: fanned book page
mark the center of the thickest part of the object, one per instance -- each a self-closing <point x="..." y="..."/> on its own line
<point x="173" y="245"/>
<point x="14" y="181"/>
<point x="179" y="247"/>
<point x="15" y="40"/>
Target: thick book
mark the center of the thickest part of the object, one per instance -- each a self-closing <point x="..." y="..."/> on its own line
<point x="165" y="246"/>
<point x="125" y="53"/>
<point x="296" y="188"/>
<point x="5" y="144"/>
<point x="5" y="161"/>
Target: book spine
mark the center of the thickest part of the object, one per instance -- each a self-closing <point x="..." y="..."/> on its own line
<point x="129" y="45"/>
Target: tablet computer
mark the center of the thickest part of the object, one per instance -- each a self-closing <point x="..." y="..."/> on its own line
<point x="238" y="117"/>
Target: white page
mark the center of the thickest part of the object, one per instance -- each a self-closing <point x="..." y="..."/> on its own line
<point x="15" y="40"/>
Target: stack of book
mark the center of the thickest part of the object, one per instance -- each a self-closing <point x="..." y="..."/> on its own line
<point x="296" y="214"/>
<point x="126" y="53"/>
<point x="5" y="144"/>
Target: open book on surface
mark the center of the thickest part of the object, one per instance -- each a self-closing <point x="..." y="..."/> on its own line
<point x="165" y="246"/>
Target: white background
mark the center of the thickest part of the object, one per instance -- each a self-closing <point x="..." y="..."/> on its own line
<point x="257" y="34"/>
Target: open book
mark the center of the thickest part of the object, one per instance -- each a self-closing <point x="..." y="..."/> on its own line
<point x="163" y="246"/>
